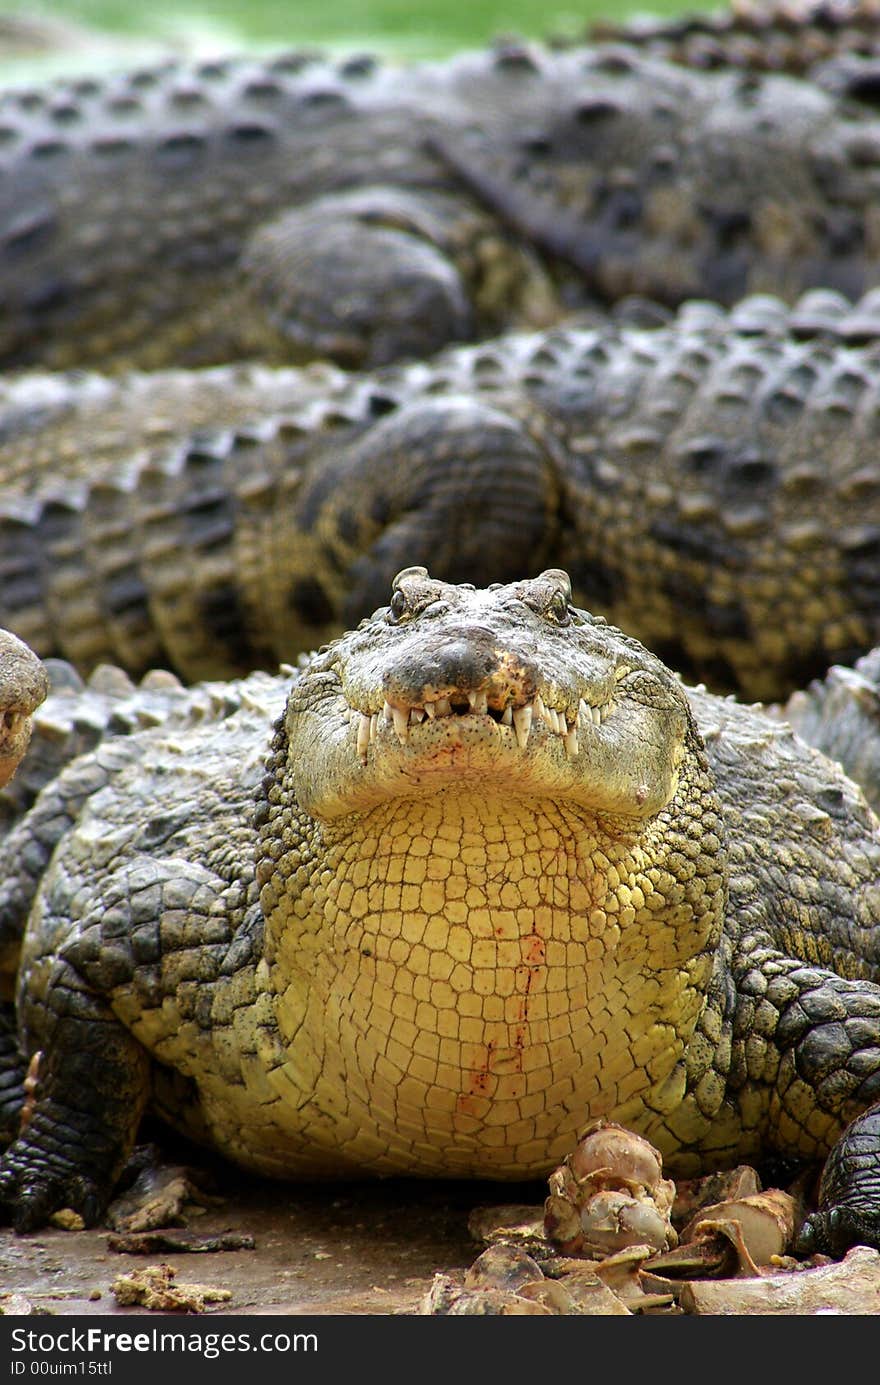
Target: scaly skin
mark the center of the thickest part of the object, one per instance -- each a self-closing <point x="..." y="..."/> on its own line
<point x="841" y="717"/>
<point x="711" y="485"/>
<point x="23" y="686"/>
<point x="303" y="207"/>
<point x="496" y="874"/>
<point x="773" y="36"/>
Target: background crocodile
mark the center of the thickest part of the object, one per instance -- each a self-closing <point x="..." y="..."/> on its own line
<point x="305" y="206"/>
<point x="772" y="36"/>
<point x="841" y="716"/>
<point x="711" y="484"/>
<point x="275" y="953"/>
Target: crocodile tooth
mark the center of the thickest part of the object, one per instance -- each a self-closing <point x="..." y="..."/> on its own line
<point x="430" y="711"/>
<point x="443" y="707"/>
<point x="401" y="724"/>
<point x="388" y="711"/>
<point x="374" y="726"/>
<point x="472" y="698"/>
<point x="540" y="709"/>
<point x="595" y="716"/>
<point x="480" y="703"/>
<point x="363" y="736"/>
<point x="553" y="720"/>
<point x="584" y="712"/>
<point x="417" y="715"/>
<point x="522" y="722"/>
<point x="507" y="716"/>
<point x="570" y="741"/>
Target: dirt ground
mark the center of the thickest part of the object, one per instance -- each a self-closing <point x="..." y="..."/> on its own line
<point x="369" y="1248"/>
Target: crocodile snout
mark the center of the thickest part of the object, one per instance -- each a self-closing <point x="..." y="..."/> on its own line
<point x="461" y="663"/>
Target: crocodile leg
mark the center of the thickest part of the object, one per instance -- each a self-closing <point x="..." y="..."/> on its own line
<point x="849" y="1193"/>
<point x="12" y="1074"/>
<point x="91" y="1093"/>
<point x="346" y="282"/>
<point x="814" y="1038"/>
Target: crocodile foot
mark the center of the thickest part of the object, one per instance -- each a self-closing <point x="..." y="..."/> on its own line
<point x="849" y="1192"/>
<point x="357" y="283"/>
<point x="38" y="1176"/>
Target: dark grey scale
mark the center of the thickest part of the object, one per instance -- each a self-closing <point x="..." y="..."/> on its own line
<point x="224" y="621"/>
<point x="214" y="71"/>
<point x="29" y="101"/>
<point x="514" y="57"/>
<point x="745" y="470"/>
<point x="124" y="105"/>
<point x="614" y="62"/>
<point x="702" y="546"/>
<point x="293" y="63"/>
<point x="186" y="97"/>
<point x="310" y="602"/>
<point x="112" y="146"/>
<point x="544" y="357"/>
<point x="536" y="144"/>
<point x="594" y="583"/>
<point x="358" y="66"/>
<point x="250" y="133"/>
<point x="321" y="489"/>
<point x="21" y="567"/>
<point x="124" y="595"/>
<point x="746" y="375"/>
<point x="65" y="113"/>
<point x="729" y="225"/>
<point x="802" y="378"/>
<point x="144" y="79"/>
<point x="181" y="148"/>
<point x="782" y="406"/>
<point x="380" y="508"/>
<point x="52" y="293"/>
<point x="716" y="670"/>
<point x="43" y="149"/>
<point x="848" y="388"/>
<point x="348" y="526"/>
<point x="208" y="512"/>
<point x="704" y="455"/>
<point x="727" y="621"/>
<point x="33" y="232"/>
<point x="262" y="89"/>
<point x="60" y="525"/>
<point x="844" y="230"/>
<point x="860" y="554"/>
<point x="378" y="405"/>
<point x="322" y="97"/>
<point x="122" y="592"/>
<point x="724" y="272"/>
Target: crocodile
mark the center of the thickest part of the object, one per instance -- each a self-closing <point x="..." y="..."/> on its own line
<point x="840" y="715"/>
<point x="710" y="483"/>
<point x="304" y="206"/>
<point x="24" y="684"/>
<point x="473" y="875"/>
<point x="774" y="36"/>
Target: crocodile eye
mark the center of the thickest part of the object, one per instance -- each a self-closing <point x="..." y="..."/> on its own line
<point x="557" y="608"/>
<point x="399" y="605"/>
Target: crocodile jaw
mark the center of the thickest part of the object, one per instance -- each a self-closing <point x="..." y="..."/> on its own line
<point x="466" y="981"/>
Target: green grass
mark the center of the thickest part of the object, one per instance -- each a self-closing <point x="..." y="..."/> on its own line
<point x="402" y="26"/>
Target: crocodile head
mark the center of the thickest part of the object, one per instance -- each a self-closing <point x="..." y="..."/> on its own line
<point x="509" y="685"/>
<point x="24" y="684"/>
<point x="492" y="876"/>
